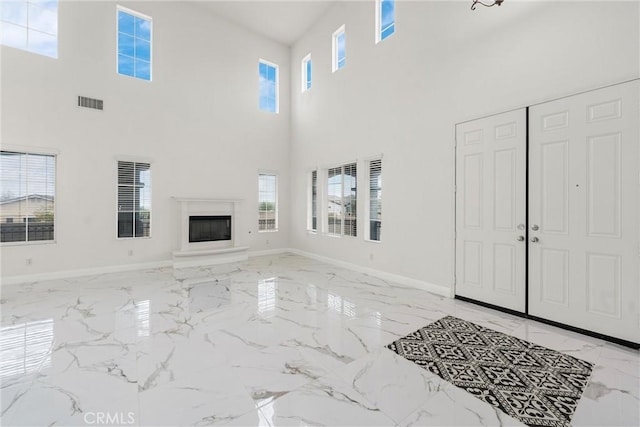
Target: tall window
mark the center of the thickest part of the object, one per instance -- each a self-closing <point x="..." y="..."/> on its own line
<point x="306" y="73"/>
<point x="30" y="25"/>
<point x="267" y="202"/>
<point x="385" y="19"/>
<point x="27" y="201"/>
<point x="314" y="201"/>
<point x="268" y="91"/>
<point x="339" y="45"/>
<point x="134" y="44"/>
<point x="375" y="199"/>
<point x="342" y="200"/>
<point x="134" y="199"/>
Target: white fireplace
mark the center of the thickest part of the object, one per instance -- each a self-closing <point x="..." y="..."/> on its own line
<point x="219" y="246"/>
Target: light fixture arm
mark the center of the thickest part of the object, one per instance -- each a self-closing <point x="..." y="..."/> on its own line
<point x="476" y="2"/>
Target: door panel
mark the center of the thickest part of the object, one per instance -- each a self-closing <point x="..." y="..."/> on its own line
<point x="490" y="205"/>
<point x="583" y="198"/>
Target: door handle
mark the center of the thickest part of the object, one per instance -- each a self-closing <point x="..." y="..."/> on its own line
<point x="535" y="227"/>
<point x="520" y="238"/>
<point x="535" y="239"/>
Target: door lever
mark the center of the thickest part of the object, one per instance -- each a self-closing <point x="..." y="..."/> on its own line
<point x="535" y="239"/>
<point x="520" y="238"/>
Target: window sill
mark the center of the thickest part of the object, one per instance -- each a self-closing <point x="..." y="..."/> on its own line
<point x="373" y="241"/>
<point x="268" y="231"/>
<point x="133" y="238"/>
<point x="31" y="243"/>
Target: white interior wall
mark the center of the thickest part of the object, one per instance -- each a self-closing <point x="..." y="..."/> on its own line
<point x="198" y="122"/>
<point x="402" y="98"/>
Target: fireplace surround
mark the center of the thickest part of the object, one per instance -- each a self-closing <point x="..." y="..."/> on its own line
<point x="209" y="231"/>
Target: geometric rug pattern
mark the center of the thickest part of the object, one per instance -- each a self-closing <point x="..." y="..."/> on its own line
<point x="534" y="384"/>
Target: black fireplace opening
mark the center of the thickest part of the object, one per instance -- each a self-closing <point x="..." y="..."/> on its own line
<point x="209" y="228"/>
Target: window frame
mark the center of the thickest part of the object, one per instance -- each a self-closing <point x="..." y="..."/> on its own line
<point x="342" y="166"/>
<point x="379" y="29"/>
<point x="136" y="14"/>
<point x="44" y="152"/>
<point x="151" y="216"/>
<point x="29" y="28"/>
<point x="277" y="83"/>
<point x="369" y="219"/>
<point x="335" y="60"/>
<point x="276" y="203"/>
<point x="306" y="77"/>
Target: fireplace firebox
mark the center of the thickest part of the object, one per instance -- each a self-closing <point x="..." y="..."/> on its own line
<point x="209" y="228"/>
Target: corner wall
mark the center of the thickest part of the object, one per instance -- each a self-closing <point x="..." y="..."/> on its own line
<point x="402" y="98"/>
<point x="198" y="122"/>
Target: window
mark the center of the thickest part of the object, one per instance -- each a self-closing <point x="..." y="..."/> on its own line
<point x="268" y="73"/>
<point x="134" y="44"/>
<point x="313" y="225"/>
<point x="339" y="53"/>
<point x="375" y="199"/>
<point x="385" y="19"/>
<point x="134" y="199"/>
<point x="306" y="73"/>
<point x="267" y="202"/>
<point x="30" y="25"/>
<point x="342" y="200"/>
<point x="27" y="201"/>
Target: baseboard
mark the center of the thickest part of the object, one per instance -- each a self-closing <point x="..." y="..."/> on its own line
<point x="14" y="280"/>
<point x="396" y="278"/>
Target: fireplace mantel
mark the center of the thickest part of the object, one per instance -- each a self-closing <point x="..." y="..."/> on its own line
<point x="192" y="254"/>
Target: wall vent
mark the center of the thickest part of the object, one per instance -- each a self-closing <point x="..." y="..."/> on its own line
<point x="96" y="104"/>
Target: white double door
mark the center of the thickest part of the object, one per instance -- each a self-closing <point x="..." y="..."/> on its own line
<point x="566" y="245"/>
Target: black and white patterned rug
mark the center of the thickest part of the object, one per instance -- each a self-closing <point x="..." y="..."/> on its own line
<point x="536" y="385"/>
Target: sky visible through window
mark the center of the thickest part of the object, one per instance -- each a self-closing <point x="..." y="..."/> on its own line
<point x="308" y="74"/>
<point x="134" y="46"/>
<point x="268" y="87"/>
<point x="387" y="18"/>
<point x="341" y="50"/>
<point x="30" y="26"/>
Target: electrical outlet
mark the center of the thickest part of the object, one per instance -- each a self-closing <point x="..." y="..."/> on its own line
<point x="267" y="241"/>
<point x="370" y="257"/>
<point x="28" y="261"/>
<point x="130" y="252"/>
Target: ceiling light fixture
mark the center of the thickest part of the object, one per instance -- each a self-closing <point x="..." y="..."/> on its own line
<point x="476" y="2"/>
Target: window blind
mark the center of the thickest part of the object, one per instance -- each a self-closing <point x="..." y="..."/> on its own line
<point x="314" y="200"/>
<point x="27" y="201"/>
<point x="375" y="199"/>
<point x="134" y="199"/>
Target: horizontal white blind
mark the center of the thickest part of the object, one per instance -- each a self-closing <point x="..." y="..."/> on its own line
<point x="134" y="199"/>
<point x="27" y="200"/>
<point x="267" y="202"/>
<point x="375" y="199"/>
<point x="314" y="200"/>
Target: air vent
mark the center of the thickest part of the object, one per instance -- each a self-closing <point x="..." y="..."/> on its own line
<point x="96" y="104"/>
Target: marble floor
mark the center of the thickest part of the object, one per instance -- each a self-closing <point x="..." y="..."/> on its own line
<point x="277" y="340"/>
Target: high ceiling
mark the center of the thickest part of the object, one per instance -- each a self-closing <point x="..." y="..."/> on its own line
<point x="282" y="21"/>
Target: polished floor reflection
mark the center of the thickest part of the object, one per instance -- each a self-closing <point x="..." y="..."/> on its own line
<point x="278" y="340"/>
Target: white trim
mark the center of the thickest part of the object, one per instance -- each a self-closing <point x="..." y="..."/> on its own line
<point x="401" y="280"/>
<point x="334" y="47"/>
<point x="14" y="280"/>
<point x="29" y="149"/>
